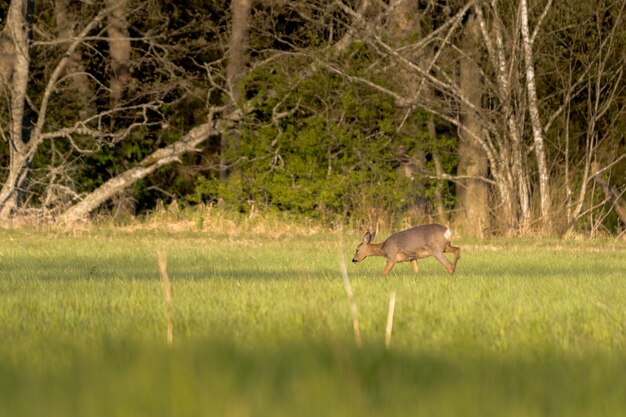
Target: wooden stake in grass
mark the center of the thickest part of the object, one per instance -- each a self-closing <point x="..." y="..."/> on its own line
<point x="392" y="307"/>
<point x="348" y="287"/>
<point x="167" y="295"/>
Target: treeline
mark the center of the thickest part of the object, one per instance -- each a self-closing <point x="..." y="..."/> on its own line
<point x="501" y="117"/>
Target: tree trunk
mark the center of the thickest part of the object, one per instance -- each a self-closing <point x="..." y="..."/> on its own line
<point x="237" y="56"/>
<point x="404" y="25"/>
<point x="14" y="71"/>
<point x="79" y="80"/>
<point x="12" y="187"/>
<point x="473" y="193"/>
<point x="533" y="108"/>
<point x="119" y="48"/>
<point x="512" y="178"/>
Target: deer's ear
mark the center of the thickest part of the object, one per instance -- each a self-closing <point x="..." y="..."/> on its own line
<point x="369" y="236"/>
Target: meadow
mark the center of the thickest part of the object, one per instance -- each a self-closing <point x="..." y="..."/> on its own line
<point x="262" y="327"/>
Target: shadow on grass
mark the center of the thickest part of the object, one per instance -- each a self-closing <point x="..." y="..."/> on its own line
<point x="141" y="266"/>
<point x="328" y="378"/>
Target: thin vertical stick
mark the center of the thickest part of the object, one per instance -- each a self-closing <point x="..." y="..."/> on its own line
<point x="167" y="295"/>
<point x="392" y="307"/>
<point x="348" y="287"/>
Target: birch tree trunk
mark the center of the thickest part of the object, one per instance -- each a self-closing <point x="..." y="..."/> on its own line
<point x="533" y="109"/>
<point x="14" y="71"/>
<point x="513" y="177"/>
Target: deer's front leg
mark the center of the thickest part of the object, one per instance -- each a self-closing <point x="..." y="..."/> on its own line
<point x="388" y="267"/>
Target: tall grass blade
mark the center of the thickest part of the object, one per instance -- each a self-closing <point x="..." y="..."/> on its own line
<point x="389" y="328"/>
<point x="167" y="295"/>
<point x="353" y="309"/>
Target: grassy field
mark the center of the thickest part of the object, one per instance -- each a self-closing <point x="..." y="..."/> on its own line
<point x="262" y="327"/>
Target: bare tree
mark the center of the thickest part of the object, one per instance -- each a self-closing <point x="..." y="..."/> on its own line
<point x="500" y="139"/>
<point x="533" y="109"/>
<point x="490" y="116"/>
<point x="15" y="78"/>
<point x="14" y="71"/>
<point x="503" y="140"/>
<point x="584" y="124"/>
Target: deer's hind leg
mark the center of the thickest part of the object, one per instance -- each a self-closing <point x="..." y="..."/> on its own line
<point x="454" y="250"/>
<point x="444" y="261"/>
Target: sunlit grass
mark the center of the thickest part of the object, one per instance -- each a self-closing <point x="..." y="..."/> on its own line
<point x="262" y="326"/>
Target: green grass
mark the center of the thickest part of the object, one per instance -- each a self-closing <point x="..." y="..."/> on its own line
<point x="262" y="327"/>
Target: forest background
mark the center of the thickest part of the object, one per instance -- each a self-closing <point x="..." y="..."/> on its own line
<point x="501" y="117"/>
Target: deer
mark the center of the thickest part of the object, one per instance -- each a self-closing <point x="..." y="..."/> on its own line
<point x="410" y="245"/>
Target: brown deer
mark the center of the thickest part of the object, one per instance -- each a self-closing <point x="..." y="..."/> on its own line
<point x="410" y="245"/>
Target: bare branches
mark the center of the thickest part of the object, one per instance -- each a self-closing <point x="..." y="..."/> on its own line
<point x="458" y="178"/>
<point x="400" y="100"/>
<point x="36" y="138"/>
<point x="544" y="13"/>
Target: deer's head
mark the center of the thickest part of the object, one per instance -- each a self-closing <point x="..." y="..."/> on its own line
<point x="362" y="251"/>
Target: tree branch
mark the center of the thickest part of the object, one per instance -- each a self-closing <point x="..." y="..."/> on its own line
<point x="148" y="165"/>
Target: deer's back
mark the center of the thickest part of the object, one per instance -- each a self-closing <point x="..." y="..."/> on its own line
<point x="418" y="238"/>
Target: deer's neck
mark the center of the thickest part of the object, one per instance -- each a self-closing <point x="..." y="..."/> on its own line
<point x="375" y="249"/>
